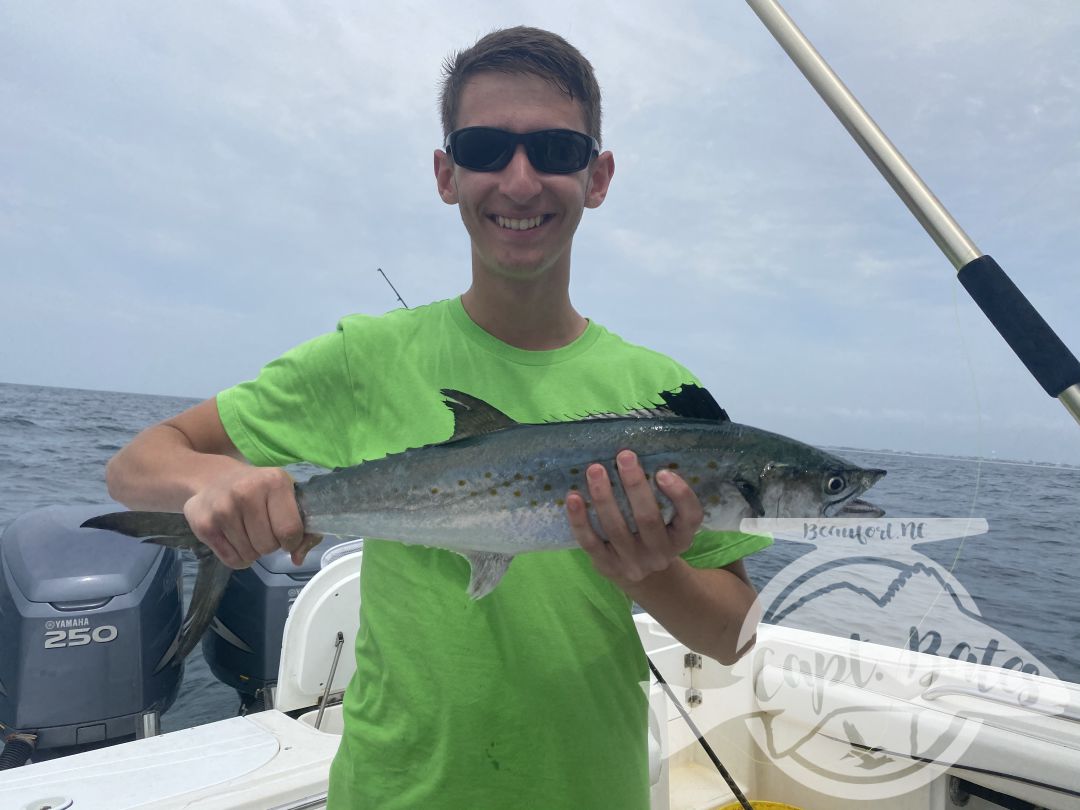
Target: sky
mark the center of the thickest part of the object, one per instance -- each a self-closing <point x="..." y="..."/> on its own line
<point x="189" y="189"/>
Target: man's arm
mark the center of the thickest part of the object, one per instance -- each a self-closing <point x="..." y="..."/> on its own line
<point x="189" y="464"/>
<point x="712" y="611"/>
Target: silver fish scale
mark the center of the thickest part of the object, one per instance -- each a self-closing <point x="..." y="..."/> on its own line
<point x="505" y="491"/>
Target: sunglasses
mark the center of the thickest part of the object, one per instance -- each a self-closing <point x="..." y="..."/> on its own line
<point x="551" y="151"/>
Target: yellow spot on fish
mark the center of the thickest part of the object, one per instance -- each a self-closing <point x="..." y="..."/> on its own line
<point x="434" y="490"/>
<point x="715" y="500"/>
<point x="574" y="487"/>
<point x="712" y="465"/>
<point x="694" y="479"/>
<point x="487" y="475"/>
<point x="532" y="478"/>
<point x="534" y="503"/>
<point x="473" y="494"/>
<point x="517" y="476"/>
<point x="461" y="483"/>
<point x="493" y="491"/>
<point x="574" y="470"/>
<point x="560" y="502"/>
<point x="517" y="493"/>
<point x="547" y="487"/>
<point x="673" y="465"/>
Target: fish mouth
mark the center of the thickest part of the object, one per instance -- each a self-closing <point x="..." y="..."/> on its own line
<point x="854" y="508"/>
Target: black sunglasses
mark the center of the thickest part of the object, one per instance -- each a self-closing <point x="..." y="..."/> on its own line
<point x="552" y="151"/>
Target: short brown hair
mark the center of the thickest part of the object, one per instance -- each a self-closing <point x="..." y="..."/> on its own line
<point x="525" y="50"/>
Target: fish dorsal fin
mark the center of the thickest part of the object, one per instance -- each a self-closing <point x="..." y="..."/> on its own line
<point x="643" y="412"/>
<point x="473" y="416"/>
<point x="689" y="402"/>
<point x="694" y="402"/>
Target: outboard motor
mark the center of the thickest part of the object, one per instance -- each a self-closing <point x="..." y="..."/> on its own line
<point x="243" y="645"/>
<point x="85" y="615"/>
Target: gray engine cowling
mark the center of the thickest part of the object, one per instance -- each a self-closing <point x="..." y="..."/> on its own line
<point x="84" y="617"/>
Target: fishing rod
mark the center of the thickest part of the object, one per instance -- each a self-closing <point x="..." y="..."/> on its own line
<point x="1039" y="348"/>
<point x="732" y="786"/>
<point x="739" y="795"/>
<point x="392" y="287"/>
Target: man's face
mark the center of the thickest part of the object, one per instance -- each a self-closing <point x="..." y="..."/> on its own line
<point x="521" y="222"/>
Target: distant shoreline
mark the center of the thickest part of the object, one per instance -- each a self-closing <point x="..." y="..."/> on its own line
<point x="102" y="391"/>
<point x="1049" y="465"/>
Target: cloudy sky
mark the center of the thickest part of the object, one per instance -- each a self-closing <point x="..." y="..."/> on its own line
<point x="189" y="189"/>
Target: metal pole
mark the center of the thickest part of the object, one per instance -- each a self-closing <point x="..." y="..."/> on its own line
<point x="1035" y="343"/>
<point x="339" y="642"/>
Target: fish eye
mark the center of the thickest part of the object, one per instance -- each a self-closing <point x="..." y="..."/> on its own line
<point x="835" y="485"/>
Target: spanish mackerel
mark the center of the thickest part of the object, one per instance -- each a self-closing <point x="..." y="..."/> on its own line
<point x="497" y="487"/>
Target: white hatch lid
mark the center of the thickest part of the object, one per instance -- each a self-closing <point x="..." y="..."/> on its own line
<point x="139" y="773"/>
<point x="329" y="604"/>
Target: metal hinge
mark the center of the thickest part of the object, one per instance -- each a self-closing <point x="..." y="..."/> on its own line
<point x="693" y="697"/>
<point x="692" y="661"/>
<point x="333" y="699"/>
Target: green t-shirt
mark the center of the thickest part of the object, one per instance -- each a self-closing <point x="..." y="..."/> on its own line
<point x="531" y="697"/>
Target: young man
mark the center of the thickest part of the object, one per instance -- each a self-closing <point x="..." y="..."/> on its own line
<point x="530" y="697"/>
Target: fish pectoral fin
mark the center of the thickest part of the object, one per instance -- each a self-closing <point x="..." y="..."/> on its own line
<point x="750" y="495"/>
<point x="488" y="568"/>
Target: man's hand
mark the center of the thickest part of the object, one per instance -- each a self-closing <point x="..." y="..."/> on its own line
<point x="247" y="513"/>
<point x="627" y="558"/>
<point x="188" y="463"/>
<point x="711" y="610"/>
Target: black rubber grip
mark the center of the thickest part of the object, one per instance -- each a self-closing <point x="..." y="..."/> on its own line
<point x="1035" y="343"/>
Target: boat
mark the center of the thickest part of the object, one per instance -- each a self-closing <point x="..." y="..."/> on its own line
<point x="805" y="720"/>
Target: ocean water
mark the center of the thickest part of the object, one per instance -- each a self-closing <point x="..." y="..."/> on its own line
<point x="1008" y="597"/>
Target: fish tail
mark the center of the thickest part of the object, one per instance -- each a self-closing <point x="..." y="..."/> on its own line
<point x="210" y="585"/>
<point x="164" y="528"/>
<point x="173" y="530"/>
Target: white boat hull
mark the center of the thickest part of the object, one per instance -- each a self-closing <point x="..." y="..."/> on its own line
<point x="814" y="721"/>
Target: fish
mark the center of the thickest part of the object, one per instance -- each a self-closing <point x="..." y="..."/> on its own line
<point x="496" y="488"/>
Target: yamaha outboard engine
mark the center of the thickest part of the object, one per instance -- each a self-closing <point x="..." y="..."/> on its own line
<point x="84" y="617"/>
<point x="243" y="645"/>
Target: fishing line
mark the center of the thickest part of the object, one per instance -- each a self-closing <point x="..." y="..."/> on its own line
<point x="978" y="445"/>
<point x="979" y="434"/>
